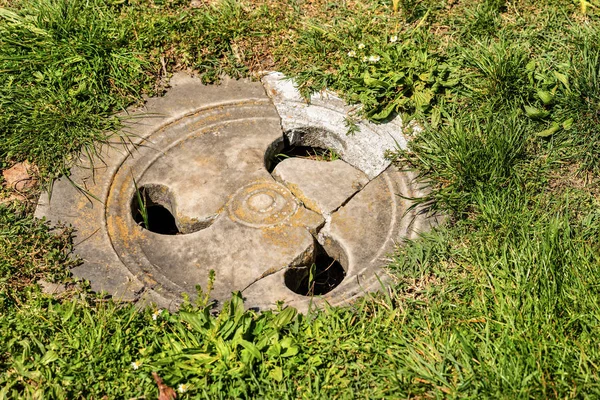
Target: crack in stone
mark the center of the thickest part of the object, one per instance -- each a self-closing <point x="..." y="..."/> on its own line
<point x="355" y="193"/>
<point x="300" y="259"/>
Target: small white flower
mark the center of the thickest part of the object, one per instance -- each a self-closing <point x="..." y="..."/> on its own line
<point x="352" y="53"/>
<point x="374" y="59"/>
<point x="393" y="39"/>
<point x="156" y="314"/>
<point x="136" y="364"/>
<point x="361" y="46"/>
<point x="182" y="388"/>
<point x="365" y="59"/>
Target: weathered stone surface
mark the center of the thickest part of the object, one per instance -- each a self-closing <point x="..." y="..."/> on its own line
<point x="363" y="233"/>
<point x="239" y="246"/>
<point x="170" y="144"/>
<point x="20" y="177"/>
<point x="378" y="218"/>
<point x="321" y="186"/>
<point x="199" y="153"/>
<point x="199" y="156"/>
<point x="322" y="123"/>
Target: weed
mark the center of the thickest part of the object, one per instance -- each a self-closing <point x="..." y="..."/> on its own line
<point x="470" y="155"/>
<point x="203" y="298"/>
<point x="351" y="125"/>
<point x="582" y="102"/>
<point x="30" y="250"/>
<point x="142" y="208"/>
<point x="484" y="19"/>
<point x="500" y="71"/>
<point x="309" y="153"/>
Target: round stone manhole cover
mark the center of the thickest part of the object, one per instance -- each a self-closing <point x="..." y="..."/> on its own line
<point x="208" y="180"/>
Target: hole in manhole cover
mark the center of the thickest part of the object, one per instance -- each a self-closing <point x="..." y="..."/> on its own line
<point x="283" y="149"/>
<point x="317" y="278"/>
<point x="149" y="210"/>
<point x="307" y="152"/>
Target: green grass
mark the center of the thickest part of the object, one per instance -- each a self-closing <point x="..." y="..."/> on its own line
<point x="64" y="72"/>
<point x="501" y="302"/>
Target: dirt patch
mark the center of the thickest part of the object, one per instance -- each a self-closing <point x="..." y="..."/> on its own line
<point x="19" y="183"/>
<point x="571" y="177"/>
<point x="20" y="177"/>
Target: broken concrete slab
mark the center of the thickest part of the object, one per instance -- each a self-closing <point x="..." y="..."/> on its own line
<point x="321" y="122"/>
<point x="362" y="234"/>
<point x="366" y="230"/>
<point x="321" y="186"/>
<point x="190" y="192"/>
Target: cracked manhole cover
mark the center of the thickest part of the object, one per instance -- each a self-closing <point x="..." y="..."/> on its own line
<point x="267" y="191"/>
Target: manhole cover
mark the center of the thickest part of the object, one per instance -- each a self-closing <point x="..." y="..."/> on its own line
<point x="266" y="191"/>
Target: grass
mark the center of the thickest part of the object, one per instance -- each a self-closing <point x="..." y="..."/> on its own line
<point x="64" y="73"/>
<point x="502" y="302"/>
<point x="142" y="208"/>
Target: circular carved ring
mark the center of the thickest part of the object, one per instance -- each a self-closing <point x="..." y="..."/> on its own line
<point x="262" y="204"/>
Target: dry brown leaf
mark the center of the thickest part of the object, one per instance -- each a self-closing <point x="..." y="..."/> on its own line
<point x="20" y="177"/>
<point x="164" y="392"/>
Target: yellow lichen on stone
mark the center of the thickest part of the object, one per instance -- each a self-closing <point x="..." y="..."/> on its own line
<point x="278" y="235"/>
<point x="308" y="203"/>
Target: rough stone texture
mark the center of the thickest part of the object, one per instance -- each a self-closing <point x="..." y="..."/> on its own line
<point x="321" y="123"/>
<point x="361" y="235"/>
<point x="322" y="186"/>
<point x="366" y="230"/>
<point x="201" y="153"/>
<point x="179" y="124"/>
<point x="19" y="177"/>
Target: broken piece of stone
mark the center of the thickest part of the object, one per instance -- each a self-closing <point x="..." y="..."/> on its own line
<point x="51" y="287"/>
<point x="191" y="194"/>
<point x="322" y="122"/>
<point x="321" y="186"/>
<point x="385" y="220"/>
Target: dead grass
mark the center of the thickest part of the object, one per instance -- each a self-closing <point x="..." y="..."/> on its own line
<point x="571" y="176"/>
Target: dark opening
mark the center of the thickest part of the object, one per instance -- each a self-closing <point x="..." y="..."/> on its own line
<point x="319" y="278"/>
<point x="287" y="150"/>
<point x="151" y="215"/>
